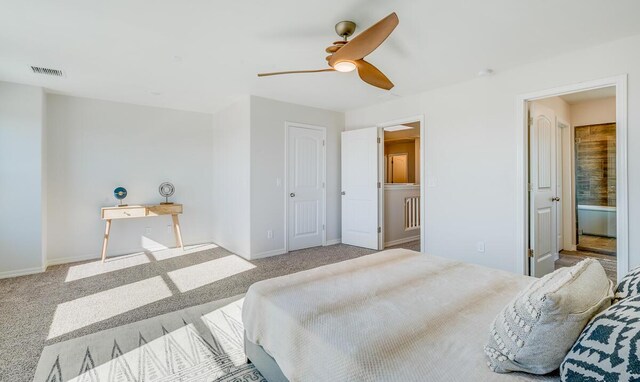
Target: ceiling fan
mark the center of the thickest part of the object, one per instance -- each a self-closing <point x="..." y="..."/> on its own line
<point x="346" y="56"/>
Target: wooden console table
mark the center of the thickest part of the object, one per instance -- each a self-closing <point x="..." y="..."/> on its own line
<point x="134" y="211"/>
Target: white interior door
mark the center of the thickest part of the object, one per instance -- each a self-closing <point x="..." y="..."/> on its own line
<point x="542" y="195"/>
<point x="360" y="188"/>
<point x="305" y="185"/>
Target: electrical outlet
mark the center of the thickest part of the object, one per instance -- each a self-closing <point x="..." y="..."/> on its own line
<point x="169" y="228"/>
<point x="269" y="234"/>
<point x="147" y="230"/>
<point x="480" y="246"/>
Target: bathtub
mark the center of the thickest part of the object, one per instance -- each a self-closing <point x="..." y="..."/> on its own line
<point x="597" y="220"/>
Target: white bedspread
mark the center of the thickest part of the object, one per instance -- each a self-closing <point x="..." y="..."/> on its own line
<point x="397" y="315"/>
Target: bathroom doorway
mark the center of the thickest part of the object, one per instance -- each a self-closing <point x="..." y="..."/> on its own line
<point x="401" y="189"/>
<point x="573" y="180"/>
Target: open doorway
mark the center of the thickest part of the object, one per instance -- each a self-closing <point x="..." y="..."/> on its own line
<point x="573" y="180"/>
<point x="401" y="190"/>
<point x="381" y="189"/>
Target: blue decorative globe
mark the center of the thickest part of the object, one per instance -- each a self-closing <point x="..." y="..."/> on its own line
<point x="120" y="193"/>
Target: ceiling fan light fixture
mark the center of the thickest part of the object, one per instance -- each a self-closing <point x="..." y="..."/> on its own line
<point x="345" y="66"/>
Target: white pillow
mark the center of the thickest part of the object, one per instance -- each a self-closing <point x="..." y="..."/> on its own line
<point x="535" y="331"/>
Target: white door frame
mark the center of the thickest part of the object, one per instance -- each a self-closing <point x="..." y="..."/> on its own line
<point x="423" y="178"/>
<point x="522" y="144"/>
<point x="570" y="179"/>
<point x="287" y="126"/>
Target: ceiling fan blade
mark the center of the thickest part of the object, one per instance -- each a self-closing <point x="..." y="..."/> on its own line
<point x="367" y="41"/>
<point x="296" y="71"/>
<point x="371" y="75"/>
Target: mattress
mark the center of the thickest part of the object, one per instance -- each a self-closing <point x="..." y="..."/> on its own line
<point x="396" y="315"/>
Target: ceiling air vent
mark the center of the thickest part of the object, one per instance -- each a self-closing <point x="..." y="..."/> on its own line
<point x="47" y="71"/>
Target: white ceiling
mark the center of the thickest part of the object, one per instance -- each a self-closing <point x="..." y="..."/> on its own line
<point x="589" y="95"/>
<point x="201" y="55"/>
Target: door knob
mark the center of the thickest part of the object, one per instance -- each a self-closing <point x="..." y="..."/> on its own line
<point x="292" y="195"/>
<point x="343" y="193"/>
<point x="556" y="199"/>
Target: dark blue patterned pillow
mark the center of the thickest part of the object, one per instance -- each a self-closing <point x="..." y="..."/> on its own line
<point x="629" y="286"/>
<point x="608" y="348"/>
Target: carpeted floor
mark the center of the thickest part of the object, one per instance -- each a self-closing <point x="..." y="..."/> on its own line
<point x="204" y="343"/>
<point x="73" y="300"/>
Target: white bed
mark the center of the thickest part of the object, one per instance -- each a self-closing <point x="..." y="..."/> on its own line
<point x="396" y="315"/>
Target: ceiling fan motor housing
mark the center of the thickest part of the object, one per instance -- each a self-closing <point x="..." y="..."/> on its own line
<point x="345" y="29"/>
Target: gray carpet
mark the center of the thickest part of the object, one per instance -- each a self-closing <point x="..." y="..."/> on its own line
<point x="38" y="310"/>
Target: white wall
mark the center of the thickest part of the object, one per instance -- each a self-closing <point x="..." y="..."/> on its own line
<point x="394" y="215"/>
<point x="89" y="147"/>
<point x="268" y="119"/>
<point x="94" y="146"/>
<point x="471" y="157"/>
<point x="21" y="179"/>
<point x="594" y="112"/>
<point x="231" y="178"/>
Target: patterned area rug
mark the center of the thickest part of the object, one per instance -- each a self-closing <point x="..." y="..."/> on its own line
<point x="201" y="343"/>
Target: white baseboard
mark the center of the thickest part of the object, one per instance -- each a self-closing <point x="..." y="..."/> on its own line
<point x="401" y="241"/>
<point x="72" y="259"/>
<point x="274" y="252"/>
<point x="122" y="252"/>
<point x="21" y="272"/>
<point x="282" y="251"/>
<point x="92" y="256"/>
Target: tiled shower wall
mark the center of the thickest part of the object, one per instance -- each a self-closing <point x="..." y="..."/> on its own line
<point x="596" y="164"/>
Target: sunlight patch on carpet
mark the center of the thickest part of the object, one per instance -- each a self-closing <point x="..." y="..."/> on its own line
<point x="84" y="311"/>
<point x="170" y="253"/>
<point x="111" y="264"/>
<point x="196" y="276"/>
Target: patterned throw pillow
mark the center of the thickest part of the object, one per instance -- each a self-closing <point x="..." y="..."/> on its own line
<point x="608" y="348"/>
<point x="629" y="286"/>
<point x="534" y="332"/>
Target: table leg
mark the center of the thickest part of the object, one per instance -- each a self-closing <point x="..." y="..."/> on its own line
<point x="105" y="241"/>
<point x="176" y="230"/>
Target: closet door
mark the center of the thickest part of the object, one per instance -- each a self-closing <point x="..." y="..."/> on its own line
<point x="306" y="183"/>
